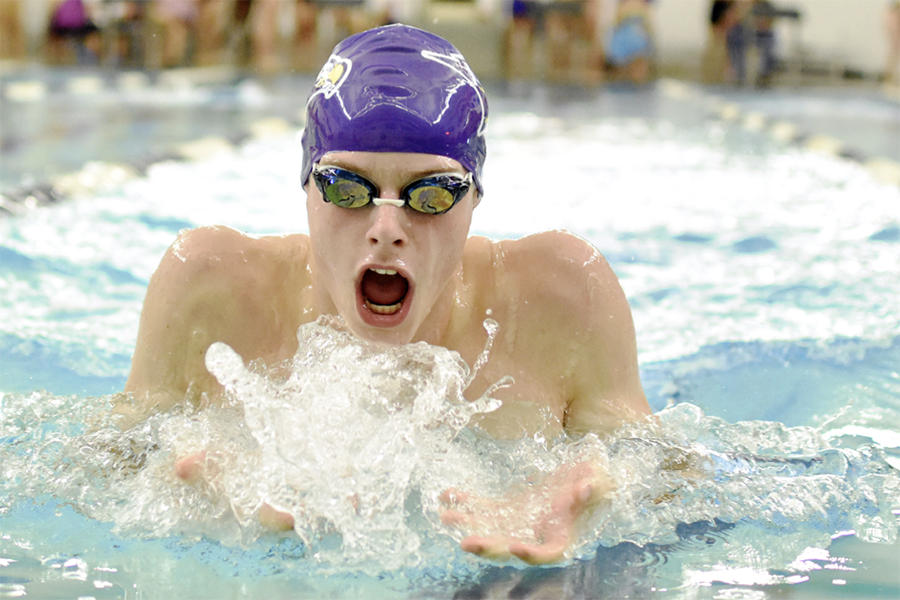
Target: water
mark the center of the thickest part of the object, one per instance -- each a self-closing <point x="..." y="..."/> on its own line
<point x="764" y="285"/>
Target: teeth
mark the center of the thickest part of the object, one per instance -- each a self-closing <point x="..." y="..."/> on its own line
<point x="383" y="309"/>
<point x="385" y="271"/>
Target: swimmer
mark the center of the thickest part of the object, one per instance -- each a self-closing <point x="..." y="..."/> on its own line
<point x="393" y="154"/>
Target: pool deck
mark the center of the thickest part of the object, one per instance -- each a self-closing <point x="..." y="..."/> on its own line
<point x="66" y="131"/>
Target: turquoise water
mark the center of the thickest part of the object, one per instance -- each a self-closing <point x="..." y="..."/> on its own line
<point x="764" y="284"/>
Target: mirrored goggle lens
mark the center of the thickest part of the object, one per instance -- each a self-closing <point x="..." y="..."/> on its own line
<point x="346" y="193"/>
<point x="343" y="188"/>
<point x="432" y="195"/>
<point x="431" y="199"/>
<point x="435" y="195"/>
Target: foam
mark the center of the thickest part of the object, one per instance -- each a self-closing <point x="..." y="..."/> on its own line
<point x="358" y="441"/>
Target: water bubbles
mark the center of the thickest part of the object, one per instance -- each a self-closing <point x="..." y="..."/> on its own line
<point x="362" y="446"/>
<point x="346" y="432"/>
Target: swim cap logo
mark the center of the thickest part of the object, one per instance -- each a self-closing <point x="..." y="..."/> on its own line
<point x="332" y="76"/>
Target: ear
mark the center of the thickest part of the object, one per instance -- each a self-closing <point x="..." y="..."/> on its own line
<point x="476" y="199"/>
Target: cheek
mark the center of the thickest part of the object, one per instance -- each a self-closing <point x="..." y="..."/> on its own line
<point x="326" y="225"/>
<point x="460" y="230"/>
<point x="324" y="238"/>
<point x="449" y="246"/>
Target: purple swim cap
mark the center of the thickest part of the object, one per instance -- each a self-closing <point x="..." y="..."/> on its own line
<point x="397" y="89"/>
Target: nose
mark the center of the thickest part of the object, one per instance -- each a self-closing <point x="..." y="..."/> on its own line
<point x="388" y="227"/>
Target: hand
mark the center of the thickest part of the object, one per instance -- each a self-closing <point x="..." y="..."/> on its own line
<point x="553" y="512"/>
<point x="202" y="467"/>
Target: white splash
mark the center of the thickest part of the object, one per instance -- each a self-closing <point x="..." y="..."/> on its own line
<point x="350" y="434"/>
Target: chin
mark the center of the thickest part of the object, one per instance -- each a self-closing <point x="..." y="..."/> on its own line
<point x="394" y="336"/>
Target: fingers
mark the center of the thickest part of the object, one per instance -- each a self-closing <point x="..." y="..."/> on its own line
<point x="491" y="548"/>
<point x="454" y="517"/>
<point x="539" y="554"/>
<point x="553" y="531"/>
<point x="502" y="548"/>
<point x="190" y="468"/>
<point x="451" y="516"/>
<point x="454" y="497"/>
<point x="275" y="520"/>
<point x="494" y="548"/>
<point x="195" y="468"/>
<point x="569" y="504"/>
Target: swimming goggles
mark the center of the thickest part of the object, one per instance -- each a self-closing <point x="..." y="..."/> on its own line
<point x="434" y="195"/>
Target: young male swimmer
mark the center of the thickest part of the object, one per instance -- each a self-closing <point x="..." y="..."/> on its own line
<point x="393" y="152"/>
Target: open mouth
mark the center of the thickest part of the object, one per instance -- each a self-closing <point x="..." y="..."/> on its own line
<point x="383" y="291"/>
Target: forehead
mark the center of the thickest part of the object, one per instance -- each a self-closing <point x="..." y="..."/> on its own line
<point x="392" y="165"/>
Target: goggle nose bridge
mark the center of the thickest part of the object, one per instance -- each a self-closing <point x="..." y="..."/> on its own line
<point x="392" y="201"/>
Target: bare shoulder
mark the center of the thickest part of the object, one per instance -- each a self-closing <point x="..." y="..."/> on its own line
<point x="561" y="269"/>
<point x="567" y="305"/>
<point x="216" y="284"/>
<point x="224" y="250"/>
<point x="212" y="262"/>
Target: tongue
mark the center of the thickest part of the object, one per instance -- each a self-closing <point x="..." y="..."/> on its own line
<point x="384" y="289"/>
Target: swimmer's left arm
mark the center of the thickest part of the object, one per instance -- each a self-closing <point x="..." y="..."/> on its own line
<point x="604" y="393"/>
<point x="606" y="390"/>
<point x="595" y="353"/>
<point x="574" y="327"/>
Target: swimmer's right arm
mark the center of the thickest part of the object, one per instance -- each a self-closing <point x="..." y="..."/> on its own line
<point x="215" y="284"/>
<point x="173" y="329"/>
<point x="193" y="299"/>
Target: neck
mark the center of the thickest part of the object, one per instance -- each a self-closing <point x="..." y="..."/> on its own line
<point x="321" y="303"/>
<point x="436" y="330"/>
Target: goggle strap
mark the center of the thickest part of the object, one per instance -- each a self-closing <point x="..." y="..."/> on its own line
<point x="392" y="201"/>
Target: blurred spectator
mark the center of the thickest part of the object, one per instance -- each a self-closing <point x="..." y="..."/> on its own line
<point x="762" y="16"/>
<point x="265" y="34"/>
<point x="892" y="28"/>
<point x="213" y="20"/>
<point x="304" y="55"/>
<point x="592" y="14"/>
<point x="566" y="28"/>
<point x="736" y="40"/>
<point x="753" y="25"/>
<point x="560" y="28"/>
<point x="630" y="48"/>
<point x="256" y="37"/>
<point x="124" y="32"/>
<point x="572" y="36"/>
<point x="12" y="43"/>
<point x="177" y="19"/>
<point x="72" y="30"/>
<point x="716" y="66"/>
<point x="518" y="46"/>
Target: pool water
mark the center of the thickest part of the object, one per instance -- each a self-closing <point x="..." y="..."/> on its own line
<point x="765" y="285"/>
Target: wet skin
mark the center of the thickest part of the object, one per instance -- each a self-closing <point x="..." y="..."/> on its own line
<point x="566" y="335"/>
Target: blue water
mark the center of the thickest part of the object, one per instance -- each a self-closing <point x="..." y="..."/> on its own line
<point x="765" y="285"/>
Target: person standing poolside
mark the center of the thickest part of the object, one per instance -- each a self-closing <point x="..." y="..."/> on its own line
<point x="178" y="19"/>
<point x="630" y="48"/>
<point x="12" y="41"/>
<point x="716" y="62"/>
<point x="393" y="153"/>
<point x="891" y="73"/>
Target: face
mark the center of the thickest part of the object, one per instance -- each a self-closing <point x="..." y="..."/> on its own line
<point x="388" y="270"/>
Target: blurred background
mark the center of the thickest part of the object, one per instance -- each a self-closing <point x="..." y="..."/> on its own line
<point x="83" y="81"/>
<point x="586" y="41"/>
